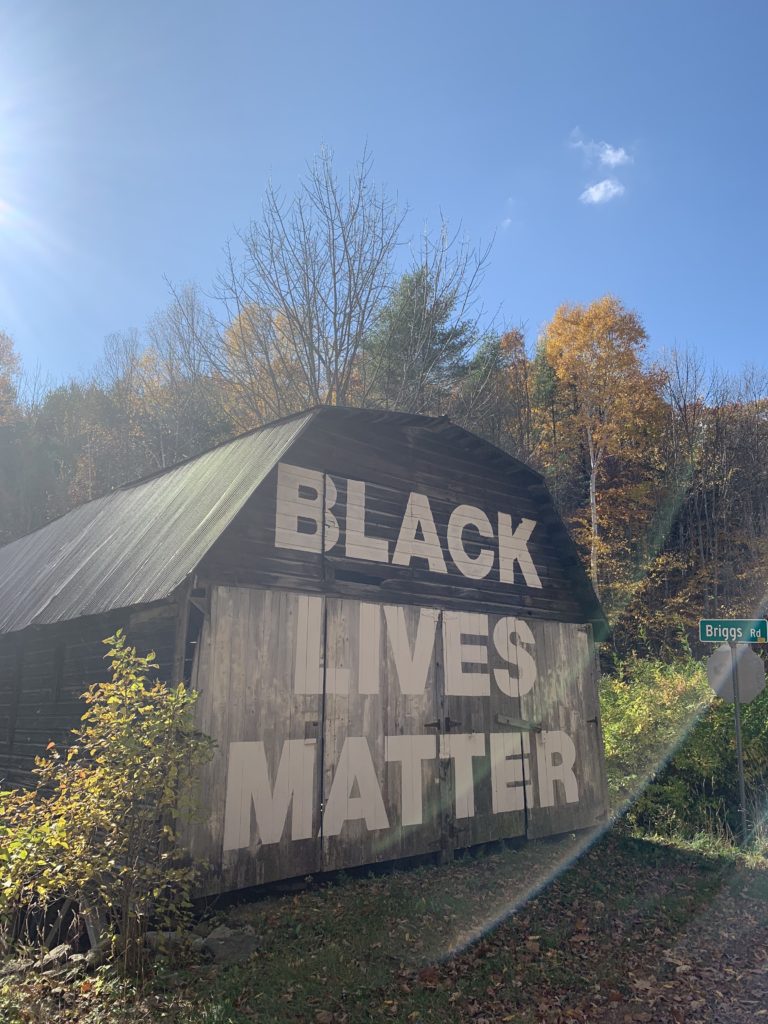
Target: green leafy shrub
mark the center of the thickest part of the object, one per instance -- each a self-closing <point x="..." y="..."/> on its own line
<point x="648" y="707"/>
<point x="100" y="828"/>
<point x="670" y="748"/>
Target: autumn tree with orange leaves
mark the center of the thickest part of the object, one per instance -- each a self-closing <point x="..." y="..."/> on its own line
<point x="595" y="353"/>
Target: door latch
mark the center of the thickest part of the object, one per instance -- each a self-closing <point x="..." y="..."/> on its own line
<point x="519" y="723"/>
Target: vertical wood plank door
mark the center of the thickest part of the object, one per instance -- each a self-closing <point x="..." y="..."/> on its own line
<point x="485" y="661"/>
<point x="352" y="732"/>
<point x="566" y="761"/>
<point x="260" y="678"/>
<point x="381" y="773"/>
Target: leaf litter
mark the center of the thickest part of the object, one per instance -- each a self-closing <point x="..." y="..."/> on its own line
<point x="633" y="931"/>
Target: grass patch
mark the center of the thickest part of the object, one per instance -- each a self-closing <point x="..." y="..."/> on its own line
<point x="438" y="945"/>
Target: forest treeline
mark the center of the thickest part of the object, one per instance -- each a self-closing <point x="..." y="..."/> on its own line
<point x="657" y="467"/>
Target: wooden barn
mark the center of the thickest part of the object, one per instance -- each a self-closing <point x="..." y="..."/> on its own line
<point x="389" y="626"/>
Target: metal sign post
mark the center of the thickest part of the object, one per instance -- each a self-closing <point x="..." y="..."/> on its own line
<point x="737" y="678"/>
<point x="739" y="747"/>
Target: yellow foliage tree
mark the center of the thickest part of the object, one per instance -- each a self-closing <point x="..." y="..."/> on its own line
<point x="263" y="374"/>
<point x="595" y="352"/>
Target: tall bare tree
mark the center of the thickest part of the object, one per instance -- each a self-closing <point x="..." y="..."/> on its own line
<point x="194" y="414"/>
<point x="10" y="369"/>
<point x="306" y="289"/>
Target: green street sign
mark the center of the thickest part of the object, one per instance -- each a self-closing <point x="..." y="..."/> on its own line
<point x="738" y="631"/>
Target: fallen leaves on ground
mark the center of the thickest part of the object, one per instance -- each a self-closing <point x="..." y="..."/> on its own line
<point x="633" y="931"/>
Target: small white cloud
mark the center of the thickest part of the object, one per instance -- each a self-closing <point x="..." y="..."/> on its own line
<point x="602" y="192"/>
<point x="600" y="152"/>
<point x="610" y="156"/>
<point x="507" y="222"/>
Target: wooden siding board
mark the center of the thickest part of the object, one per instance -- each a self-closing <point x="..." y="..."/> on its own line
<point x="59" y="663"/>
<point x="470" y="715"/>
<point x="410" y="714"/>
<point x="563" y="698"/>
<point x="388" y="713"/>
<point x="246" y="665"/>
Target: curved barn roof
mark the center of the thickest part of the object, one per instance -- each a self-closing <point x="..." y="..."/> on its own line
<point x="139" y="543"/>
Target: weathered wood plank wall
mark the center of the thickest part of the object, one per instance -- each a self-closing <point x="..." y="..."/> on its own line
<point x="351" y="732"/>
<point x="253" y="646"/>
<point x="565" y="699"/>
<point x="44" y="670"/>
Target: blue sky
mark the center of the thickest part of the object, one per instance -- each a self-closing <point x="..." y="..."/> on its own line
<point x="135" y="138"/>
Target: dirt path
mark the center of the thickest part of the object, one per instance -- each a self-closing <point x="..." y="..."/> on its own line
<point x="719" y="964"/>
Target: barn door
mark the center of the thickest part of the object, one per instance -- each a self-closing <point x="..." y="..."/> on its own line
<point x="349" y="732"/>
<point x="425" y="747"/>
<point x="260" y="681"/>
<point x="566" y="755"/>
<point x="381" y="772"/>
<point x="485" y="661"/>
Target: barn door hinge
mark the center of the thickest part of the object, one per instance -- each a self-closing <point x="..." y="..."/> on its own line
<point x="519" y="723"/>
<point x="448" y="724"/>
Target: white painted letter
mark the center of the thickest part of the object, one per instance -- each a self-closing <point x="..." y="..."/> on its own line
<point x="410" y="751"/>
<point x="368" y="665"/>
<point x="293" y="507"/>
<point x="307" y="674"/>
<point x="509" y="753"/>
<point x="418" y="515"/>
<point x="355" y="767"/>
<point x="374" y="549"/>
<point x="412" y="669"/>
<point x="504" y="633"/>
<point x="467" y="515"/>
<point x="459" y="683"/>
<point x="248" y="782"/>
<point x="561" y="745"/>
<point x="513" y="547"/>
<point x="462" y="747"/>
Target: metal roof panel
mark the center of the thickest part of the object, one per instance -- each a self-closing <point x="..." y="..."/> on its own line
<point x="136" y="544"/>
